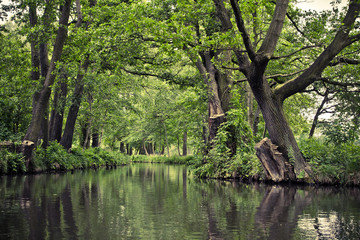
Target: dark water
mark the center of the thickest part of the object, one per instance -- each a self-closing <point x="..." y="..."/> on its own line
<point x="145" y="201"/>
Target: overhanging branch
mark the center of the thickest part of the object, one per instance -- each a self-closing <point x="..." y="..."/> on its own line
<point x="293" y="53"/>
<point x="342" y="84"/>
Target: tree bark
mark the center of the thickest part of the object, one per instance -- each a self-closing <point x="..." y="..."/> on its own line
<point x="88" y="124"/>
<point x="276" y="166"/>
<point x="44" y="64"/>
<point x="217" y="82"/>
<point x="255" y="124"/>
<point x="278" y="127"/>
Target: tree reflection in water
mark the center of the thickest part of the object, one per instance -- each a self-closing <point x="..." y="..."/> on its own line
<point x="145" y="201"/>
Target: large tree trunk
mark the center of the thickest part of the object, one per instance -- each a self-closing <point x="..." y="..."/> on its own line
<point x="217" y="82"/>
<point x="279" y="129"/>
<point x="44" y="64"/>
<point x="275" y="165"/>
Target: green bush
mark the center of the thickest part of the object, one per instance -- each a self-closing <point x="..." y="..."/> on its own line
<point x="220" y="161"/>
<point x="11" y="163"/>
<point x="55" y="157"/>
<point x="52" y="158"/>
<point x="331" y="162"/>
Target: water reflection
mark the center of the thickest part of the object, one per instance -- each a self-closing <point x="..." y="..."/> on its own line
<point x="145" y="201"/>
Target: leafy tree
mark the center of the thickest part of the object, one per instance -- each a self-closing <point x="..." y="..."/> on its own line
<point x="256" y="61"/>
<point x="15" y="86"/>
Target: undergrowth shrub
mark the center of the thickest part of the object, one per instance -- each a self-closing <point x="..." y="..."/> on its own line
<point x="55" y="157"/>
<point x="220" y="162"/>
<point x="11" y="163"/>
<point x="332" y="162"/>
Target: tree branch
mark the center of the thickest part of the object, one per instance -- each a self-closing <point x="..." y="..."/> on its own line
<point x="241" y="26"/>
<point x="295" y="25"/>
<point x="342" y="84"/>
<point x="340" y="60"/>
<point x="293" y="53"/>
<point x="340" y="41"/>
<point x="272" y="36"/>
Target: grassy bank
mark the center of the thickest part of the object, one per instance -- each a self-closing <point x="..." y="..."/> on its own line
<point x="56" y="158"/>
<point x="187" y="160"/>
<point x="332" y="164"/>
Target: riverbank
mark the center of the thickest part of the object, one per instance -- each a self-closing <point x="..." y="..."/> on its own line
<point x="335" y="166"/>
<point x="55" y="158"/>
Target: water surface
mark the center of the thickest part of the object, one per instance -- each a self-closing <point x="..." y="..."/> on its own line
<point x="155" y="201"/>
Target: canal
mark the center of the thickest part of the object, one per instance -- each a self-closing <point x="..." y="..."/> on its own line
<point x="157" y="201"/>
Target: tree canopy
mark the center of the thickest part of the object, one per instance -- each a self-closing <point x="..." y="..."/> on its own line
<point x="168" y="77"/>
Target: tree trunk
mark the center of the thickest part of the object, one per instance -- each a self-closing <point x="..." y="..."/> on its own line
<point x="317" y="114"/>
<point x="178" y="145"/>
<point x="129" y="150"/>
<point x="255" y="124"/>
<point x="150" y="148"/>
<point x="85" y="137"/>
<point x="95" y="139"/>
<point x="89" y="123"/>
<point x="57" y="113"/>
<point x="279" y="129"/>
<point x="275" y="165"/>
<point x="166" y="140"/>
<point x="44" y="64"/>
<point x="250" y="103"/>
<point x="185" y="143"/>
<point x="122" y="147"/>
<point x="67" y="138"/>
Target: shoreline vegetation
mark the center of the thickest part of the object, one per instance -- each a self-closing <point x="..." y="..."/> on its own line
<point x="334" y="165"/>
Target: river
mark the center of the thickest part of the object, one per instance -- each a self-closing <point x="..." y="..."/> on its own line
<point x="157" y="201"/>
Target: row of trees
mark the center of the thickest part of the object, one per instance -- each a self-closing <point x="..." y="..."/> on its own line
<point x="140" y="75"/>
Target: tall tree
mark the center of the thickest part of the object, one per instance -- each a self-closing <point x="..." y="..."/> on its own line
<point x="33" y="132"/>
<point x="253" y="64"/>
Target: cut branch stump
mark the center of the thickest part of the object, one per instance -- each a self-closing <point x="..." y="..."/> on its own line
<point x="275" y="165"/>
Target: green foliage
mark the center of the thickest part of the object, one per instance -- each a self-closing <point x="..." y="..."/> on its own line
<point x="55" y="157"/>
<point x="220" y="162"/>
<point x="341" y="131"/>
<point x="11" y="163"/>
<point x="332" y="162"/>
<point x="15" y="85"/>
<point x="187" y="160"/>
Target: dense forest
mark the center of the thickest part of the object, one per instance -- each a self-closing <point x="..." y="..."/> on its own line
<point x="251" y="89"/>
